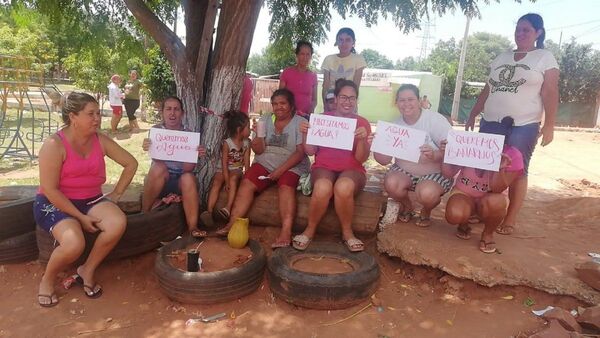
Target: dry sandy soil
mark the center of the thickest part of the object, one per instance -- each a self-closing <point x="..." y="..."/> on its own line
<point x="416" y="301"/>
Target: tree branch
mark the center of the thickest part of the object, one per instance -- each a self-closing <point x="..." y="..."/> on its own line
<point x="165" y="37"/>
<point x="194" y="12"/>
<point x="206" y="41"/>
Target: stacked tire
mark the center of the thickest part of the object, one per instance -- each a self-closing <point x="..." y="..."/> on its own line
<point x="17" y="226"/>
<point x="144" y="232"/>
<point x="209" y="287"/>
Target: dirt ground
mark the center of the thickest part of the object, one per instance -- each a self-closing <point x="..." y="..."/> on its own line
<point x="417" y="301"/>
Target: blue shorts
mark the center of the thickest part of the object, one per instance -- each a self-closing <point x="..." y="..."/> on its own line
<point x="171" y="186"/>
<point x="46" y="215"/>
<point x="523" y="137"/>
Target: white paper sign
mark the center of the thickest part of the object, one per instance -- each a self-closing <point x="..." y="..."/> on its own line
<point x="475" y="150"/>
<point x="331" y="131"/>
<point x="398" y="141"/>
<point x="174" y="145"/>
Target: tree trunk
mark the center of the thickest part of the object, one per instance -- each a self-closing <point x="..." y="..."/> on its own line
<point x="237" y="21"/>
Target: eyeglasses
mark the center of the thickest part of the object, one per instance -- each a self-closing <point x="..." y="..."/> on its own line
<point x="344" y="98"/>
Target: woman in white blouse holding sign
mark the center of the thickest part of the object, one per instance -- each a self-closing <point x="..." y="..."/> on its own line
<point x="523" y="84"/>
<point x="423" y="177"/>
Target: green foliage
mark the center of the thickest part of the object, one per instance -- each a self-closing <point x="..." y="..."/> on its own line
<point x="579" y="66"/>
<point x="482" y="49"/>
<point x="375" y="59"/>
<point x="271" y="61"/>
<point x="409" y="63"/>
<point x="158" y="77"/>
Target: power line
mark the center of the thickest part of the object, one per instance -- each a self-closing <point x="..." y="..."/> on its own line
<point x="574" y="25"/>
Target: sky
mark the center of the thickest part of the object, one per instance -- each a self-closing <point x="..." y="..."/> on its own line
<point x="574" y="18"/>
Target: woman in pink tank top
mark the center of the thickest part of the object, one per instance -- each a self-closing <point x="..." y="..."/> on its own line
<point x="480" y="192"/>
<point x="70" y="198"/>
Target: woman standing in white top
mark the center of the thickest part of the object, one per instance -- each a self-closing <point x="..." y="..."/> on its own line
<point x="344" y="65"/>
<point x="523" y="84"/>
<point x="115" y="95"/>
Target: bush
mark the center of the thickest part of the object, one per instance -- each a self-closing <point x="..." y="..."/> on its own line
<point x="158" y="77"/>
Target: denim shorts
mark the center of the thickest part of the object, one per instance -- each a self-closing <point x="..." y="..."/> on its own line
<point x="171" y="186"/>
<point x="523" y="137"/>
<point x="46" y="215"/>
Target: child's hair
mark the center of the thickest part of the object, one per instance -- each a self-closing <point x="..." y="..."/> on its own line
<point x="235" y="119"/>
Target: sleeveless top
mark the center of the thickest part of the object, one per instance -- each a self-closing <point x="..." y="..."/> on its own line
<point x="81" y="178"/>
<point x="235" y="157"/>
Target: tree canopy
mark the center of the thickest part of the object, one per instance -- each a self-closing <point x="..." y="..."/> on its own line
<point x="375" y="59"/>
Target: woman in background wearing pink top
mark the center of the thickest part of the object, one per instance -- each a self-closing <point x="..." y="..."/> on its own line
<point x="70" y="199"/>
<point x="480" y="192"/>
<point x="301" y="81"/>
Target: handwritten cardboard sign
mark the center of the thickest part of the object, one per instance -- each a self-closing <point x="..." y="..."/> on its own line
<point x="398" y="141"/>
<point x="174" y="145"/>
<point x="331" y="131"/>
<point x="475" y="150"/>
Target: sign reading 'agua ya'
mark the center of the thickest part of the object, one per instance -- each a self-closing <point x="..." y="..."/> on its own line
<point x="331" y="131"/>
<point x="174" y="145"/>
<point x="398" y="141"/>
<point x="475" y="150"/>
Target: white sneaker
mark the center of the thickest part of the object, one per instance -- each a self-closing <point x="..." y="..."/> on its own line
<point x="391" y="213"/>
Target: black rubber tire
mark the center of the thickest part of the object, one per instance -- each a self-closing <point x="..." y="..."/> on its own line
<point x="17" y="215"/>
<point x="19" y="249"/>
<point x="209" y="287"/>
<point x="323" y="291"/>
<point x="144" y="233"/>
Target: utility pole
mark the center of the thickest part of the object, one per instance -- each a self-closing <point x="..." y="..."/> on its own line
<point x="459" y="75"/>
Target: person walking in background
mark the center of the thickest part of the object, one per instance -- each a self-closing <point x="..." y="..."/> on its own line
<point x="115" y="95"/>
<point x="344" y="65"/>
<point x="523" y="84"/>
<point x="301" y="81"/>
<point x="132" y="99"/>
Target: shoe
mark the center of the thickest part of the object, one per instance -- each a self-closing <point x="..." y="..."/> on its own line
<point x="406" y="216"/>
<point x="280" y="244"/>
<point x="94" y="291"/>
<point x="198" y="233"/>
<point x="487" y="247"/>
<point x="505" y="229"/>
<point x="223" y="232"/>
<point x="463" y="231"/>
<point x="52" y="300"/>
<point x="423" y="221"/>
<point x="301" y="242"/>
<point x="354" y="244"/>
<point x="391" y="214"/>
<point x="223" y="214"/>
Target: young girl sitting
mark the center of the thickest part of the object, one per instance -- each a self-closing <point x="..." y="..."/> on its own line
<point x="235" y="159"/>
<point x="479" y="192"/>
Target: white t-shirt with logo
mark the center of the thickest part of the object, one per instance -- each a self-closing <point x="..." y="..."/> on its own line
<point x="515" y="87"/>
<point x="342" y="68"/>
<point x="114" y="94"/>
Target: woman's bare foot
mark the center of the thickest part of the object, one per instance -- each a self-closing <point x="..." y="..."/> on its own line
<point x="46" y="295"/>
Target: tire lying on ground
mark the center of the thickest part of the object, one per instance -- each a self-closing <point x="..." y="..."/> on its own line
<point x="19" y="249"/>
<point x="325" y="291"/>
<point x="209" y="287"/>
<point x="16" y="210"/>
<point x="144" y="233"/>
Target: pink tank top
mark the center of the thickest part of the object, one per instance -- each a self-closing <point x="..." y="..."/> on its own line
<point x="82" y="178"/>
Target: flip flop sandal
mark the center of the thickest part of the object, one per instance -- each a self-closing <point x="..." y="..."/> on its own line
<point x="94" y="291"/>
<point x="223" y="232"/>
<point x="354" y="244"/>
<point x="505" y="229"/>
<point x="207" y="219"/>
<point x="423" y="222"/>
<point x="50" y="298"/>
<point x="301" y="242"/>
<point x="405" y="217"/>
<point x="223" y="214"/>
<point x="282" y="244"/>
<point x="463" y="232"/>
<point x="483" y="247"/>
<point x="198" y="233"/>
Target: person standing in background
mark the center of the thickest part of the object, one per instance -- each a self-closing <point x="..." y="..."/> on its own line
<point x="344" y="65"/>
<point x="132" y="99"/>
<point x="246" y="97"/>
<point x="301" y="81"/>
<point x="115" y="95"/>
